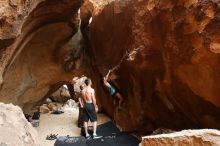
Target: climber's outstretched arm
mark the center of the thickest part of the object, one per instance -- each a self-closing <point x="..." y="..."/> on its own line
<point x="107" y="76"/>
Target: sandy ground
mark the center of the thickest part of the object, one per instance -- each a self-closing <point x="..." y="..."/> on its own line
<point x="63" y="124"/>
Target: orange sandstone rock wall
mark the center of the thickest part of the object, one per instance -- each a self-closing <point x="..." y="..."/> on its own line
<point x="171" y="77"/>
<point x="36" y="50"/>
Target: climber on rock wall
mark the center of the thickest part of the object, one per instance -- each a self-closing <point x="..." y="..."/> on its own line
<point x="113" y="91"/>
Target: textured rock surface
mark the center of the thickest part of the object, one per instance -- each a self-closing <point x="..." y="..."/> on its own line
<point x="170" y="77"/>
<point x="15" y="130"/>
<point x="204" y="137"/>
<point x="44" y="109"/>
<point x="61" y="95"/>
<point x="77" y="82"/>
<point x="51" y="106"/>
<point x="35" y="50"/>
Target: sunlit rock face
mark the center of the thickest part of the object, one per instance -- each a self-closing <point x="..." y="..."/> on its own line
<point x="37" y="48"/>
<point x="16" y="130"/>
<point x="170" y="77"/>
<point x="206" y="137"/>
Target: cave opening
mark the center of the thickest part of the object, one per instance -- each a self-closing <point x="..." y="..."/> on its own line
<point x="59" y="112"/>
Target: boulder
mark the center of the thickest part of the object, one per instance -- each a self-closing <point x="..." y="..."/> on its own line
<point x="64" y="93"/>
<point x="202" y="137"/>
<point x="15" y="129"/>
<point x="52" y="106"/>
<point x="77" y="82"/>
<point x="70" y="105"/>
<point x="48" y="100"/>
<point x="44" y="109"/>
<point x="61" y="95"/>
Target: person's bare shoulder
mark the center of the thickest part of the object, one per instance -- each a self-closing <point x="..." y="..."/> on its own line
<point x="91" y="90"/>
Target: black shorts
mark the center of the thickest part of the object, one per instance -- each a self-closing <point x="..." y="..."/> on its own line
<point x="89" y="112"/>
